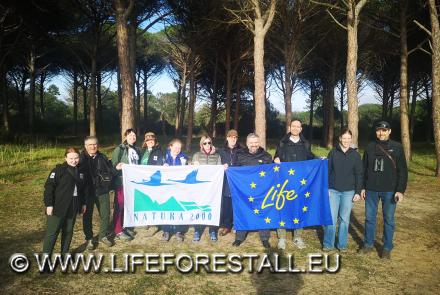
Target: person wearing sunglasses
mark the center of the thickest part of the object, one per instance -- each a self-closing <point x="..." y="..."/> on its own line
<point x="206" y="156"/>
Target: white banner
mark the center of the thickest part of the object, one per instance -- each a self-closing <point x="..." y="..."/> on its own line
<point x="175" y="195"/>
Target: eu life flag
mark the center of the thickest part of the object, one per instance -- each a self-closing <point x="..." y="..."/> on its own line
<point x="288" y="195"/>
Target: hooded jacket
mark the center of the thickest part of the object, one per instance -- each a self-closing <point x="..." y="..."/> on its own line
<point x="345" y="171"/>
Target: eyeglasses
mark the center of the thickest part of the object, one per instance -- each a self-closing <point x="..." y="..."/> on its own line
<point x="207" y="143"/>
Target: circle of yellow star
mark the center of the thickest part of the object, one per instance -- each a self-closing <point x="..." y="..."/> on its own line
<point x="256" y="211"/>
<point x="303" y="181"/>
<point x="296" y="221"/>
<point x="267" y="219"/>
<point x="262" y="173"/>
<point x="305" y="209"/>
<point x="307" y="194"/>
<point x="251" y="199"/>
<point x="253" y="185"/>
<point x="276" y="168"/>
<point x="291" y="172"/>
<point x="282" y="223"/>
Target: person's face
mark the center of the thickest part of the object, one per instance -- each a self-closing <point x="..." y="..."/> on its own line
<point x="175" y="148"/>
<point x="232" y="140"/>
<point x="131" y="138"/>
<point x="91" y="147"/>
<point x="383" y="134"/>
<point x="207" y="144"/>
<point x="295" y="128"/>
<point x="253" y="144"/>
<point x="345" y="140"/>
<point x="72" y="159"/>
<point x="150" y="143"/>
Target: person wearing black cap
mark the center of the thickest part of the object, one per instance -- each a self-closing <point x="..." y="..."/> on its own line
<point x="386" y="176"/>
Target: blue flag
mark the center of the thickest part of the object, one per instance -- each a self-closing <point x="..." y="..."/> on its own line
<point x="288" y="195"/>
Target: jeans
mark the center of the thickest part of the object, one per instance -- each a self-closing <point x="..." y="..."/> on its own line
<point x="388" y="209"/>
<point x="118" y="213"/>
<point x="103" y="204"/>
<point x="282" y="233"/>
<point x="341" y="204"/>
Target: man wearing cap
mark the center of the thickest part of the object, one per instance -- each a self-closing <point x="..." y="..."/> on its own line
<point x="386" y="177"/>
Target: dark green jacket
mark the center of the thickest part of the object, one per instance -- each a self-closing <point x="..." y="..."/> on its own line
<point x="120" y="155"/>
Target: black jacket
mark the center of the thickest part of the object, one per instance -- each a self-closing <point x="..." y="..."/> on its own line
<point x="99" y="171"/>
<point x="394" y="175"/>
<point x="345" y="171"/>
<point x="59" y="189"/>
<point x="245" y="158"/>
<point x="157" y="157"/>
<point x="288" y="151"/>
<point x="228" y="156"/>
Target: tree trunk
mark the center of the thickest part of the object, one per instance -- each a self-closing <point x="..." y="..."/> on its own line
<point x="341" y="101"/>
<point x="118" y="78"/>
<point x="122" y="40"/>
<point x="22" y="96"/>
<point x="351" y="69"/>
<point x="138" y="104"/>
<point x="145" y="81"/>
<point x="288" y="96"/>
<point x="237" y="103"/>
<point x="178" y="102"/>
<point x="435" y="31"/>
<point x="75" y="102"/>
<point x="4" y="100"/>
<point x="85" y="108"/>
<point x="213" y="117"/>
<point x="228" y="91"/>
<point x="312" y="105"/>
<point x="92" y="98"/>
<point x="192" y="100"/>
<point x="259" y="81"/>
<point x="404" y="121"/>
<point x="181" y="110"/>
<point x="41" y="90"/>
<point x="31" y="106"/>
<point x="385" y="99"/>
<point x="412" y="114"/>
<point x="99" y="98"/>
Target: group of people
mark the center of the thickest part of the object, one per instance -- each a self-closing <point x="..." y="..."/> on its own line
<point x="85" y="180"/>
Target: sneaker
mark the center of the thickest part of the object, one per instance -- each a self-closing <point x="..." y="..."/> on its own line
<point x="90" y="245"/>
<point x="124" y="237"/>
<point x="282" y="244"/>
<point x="386" y="254"/>
<point x="237" y="243"/>
<point x="179" y="236"/>
<point x="106" y="241"/>
<point x="196" y="236"/>
<point x="166" y="236"/>
<point x="130" y="232"/>
<point x="365" y="250"/>
<point x="266" y="244"/>
<point x="299" y="243"/>
<point x="213" y="236"/>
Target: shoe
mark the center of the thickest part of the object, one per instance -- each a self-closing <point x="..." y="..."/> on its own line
<point x="179" y="236"/>
<point x="90" y="245"/>
<point x="266" y="244"/>
<point x="130" y="232"/>
<point x="106" y="241"/>
<point x="166" y="236"/>
<point x="327" y="249"/>
<point x="124" y="237"/>
<point x="365" y="250"/>
<point x="196" y="236"/>
<point x="343" y="250"/>
<point x="386" y="254"/>
<point x="299" y="243"/>
<point x="224" y="231"/>
<point x="237" y="243"/>
<point x="213" y="236"/>
<point x="282" y="244"/>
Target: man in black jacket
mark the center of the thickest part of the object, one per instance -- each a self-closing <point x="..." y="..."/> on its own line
<point x="251" y="156"/>
<point x="293" y="147"/>
<point x="386" y="176"/>
<point x="100" y="172"/>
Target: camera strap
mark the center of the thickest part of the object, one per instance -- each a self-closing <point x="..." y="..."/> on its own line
<point x="388" y="155"/>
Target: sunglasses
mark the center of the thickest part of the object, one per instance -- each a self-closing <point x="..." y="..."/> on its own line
<point x="207" y="143"/>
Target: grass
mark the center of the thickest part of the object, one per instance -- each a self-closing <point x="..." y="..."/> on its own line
<point x="413" y="269"/>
